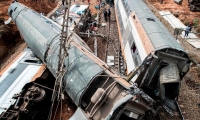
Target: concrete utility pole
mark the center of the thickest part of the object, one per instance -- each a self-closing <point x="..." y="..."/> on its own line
<point x="95" y="46"/>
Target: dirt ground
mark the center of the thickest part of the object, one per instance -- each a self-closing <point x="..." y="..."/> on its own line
<point x="189" y="98"/>
<point x="183" y="11"/>
<point x="9" y="36"/>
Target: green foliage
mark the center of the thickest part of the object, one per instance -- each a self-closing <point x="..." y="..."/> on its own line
<point x="95" y="15"/>
<point x="196" y="22"/>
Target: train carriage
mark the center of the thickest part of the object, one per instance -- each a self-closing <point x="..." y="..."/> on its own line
<point x="97" y="91"/>
<point x="157" y="59"/>
<point x="156" y="62"/>
<point x="141" y="32"/>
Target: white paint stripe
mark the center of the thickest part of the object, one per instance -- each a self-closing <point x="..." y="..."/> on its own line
<point x="129" y="58"/>
<point x="123" y="14"/>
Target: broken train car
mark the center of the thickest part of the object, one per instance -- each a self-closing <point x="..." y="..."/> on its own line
<point x="95" y="89"/>
<point x="25" y="88"/>
<point x="154" y="58"/>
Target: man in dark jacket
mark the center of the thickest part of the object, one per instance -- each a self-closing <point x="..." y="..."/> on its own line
<point x="105" y="15"/>
<point x="109" y="13"/>
<point x="63" y="2"/>
<point x="187" y="30"/>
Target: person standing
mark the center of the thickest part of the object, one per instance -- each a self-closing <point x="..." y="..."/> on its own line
<point x="191" y="25"/>
<point x="109" y="13"/>
<point x="187" y="29"/>
<point x="99" y="3"/>
<point x="63" y="2"/>
<point x="105" y="15"/>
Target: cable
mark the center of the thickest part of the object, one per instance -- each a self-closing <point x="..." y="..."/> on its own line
<point x="56" y="111"/>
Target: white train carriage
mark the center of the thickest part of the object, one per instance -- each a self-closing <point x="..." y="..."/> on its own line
<point x="149" y="49"/>
<point x="23" y="69"/>
<point x="141" y="32"/>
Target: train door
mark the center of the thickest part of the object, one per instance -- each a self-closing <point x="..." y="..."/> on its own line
<point x="133" y="48"/>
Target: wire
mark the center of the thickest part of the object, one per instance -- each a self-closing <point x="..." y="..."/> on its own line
<point x="56" y="111"/>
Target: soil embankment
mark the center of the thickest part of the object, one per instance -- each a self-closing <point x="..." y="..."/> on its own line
<point x="11" y="44"/>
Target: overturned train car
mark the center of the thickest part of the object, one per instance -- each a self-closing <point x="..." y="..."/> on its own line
<point x="154" y="58"/>
<point x="95" y="89"/>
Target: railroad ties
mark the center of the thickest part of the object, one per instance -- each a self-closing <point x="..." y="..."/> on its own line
<point x="113" y="52"/>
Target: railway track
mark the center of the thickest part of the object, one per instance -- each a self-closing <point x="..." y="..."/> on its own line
<point x="113" y="51"/>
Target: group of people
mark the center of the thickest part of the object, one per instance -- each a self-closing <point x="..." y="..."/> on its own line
<point x="107" y="15"/>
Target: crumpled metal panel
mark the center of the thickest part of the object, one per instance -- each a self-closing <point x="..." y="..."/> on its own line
<point x="169" y="74"/>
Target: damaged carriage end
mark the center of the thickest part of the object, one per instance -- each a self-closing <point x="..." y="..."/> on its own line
<point x="96" y="90"/>
<point x="170" y="76"/>
<point x="160" y="76"/>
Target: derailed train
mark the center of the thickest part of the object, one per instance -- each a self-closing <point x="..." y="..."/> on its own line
<point x="142" y="35"/>
<point x="95" y="89"/>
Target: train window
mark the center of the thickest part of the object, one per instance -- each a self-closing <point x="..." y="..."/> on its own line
<point x="15" y="8"/>
<point x="33" y="61"/>
<point x="133" y="16"/>
<point x="135" y="55"/>
<point x="150" y="19"/>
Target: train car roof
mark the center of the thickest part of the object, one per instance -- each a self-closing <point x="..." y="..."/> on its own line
<point x="24" y="68"/>
<point x="160" y="37"/>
